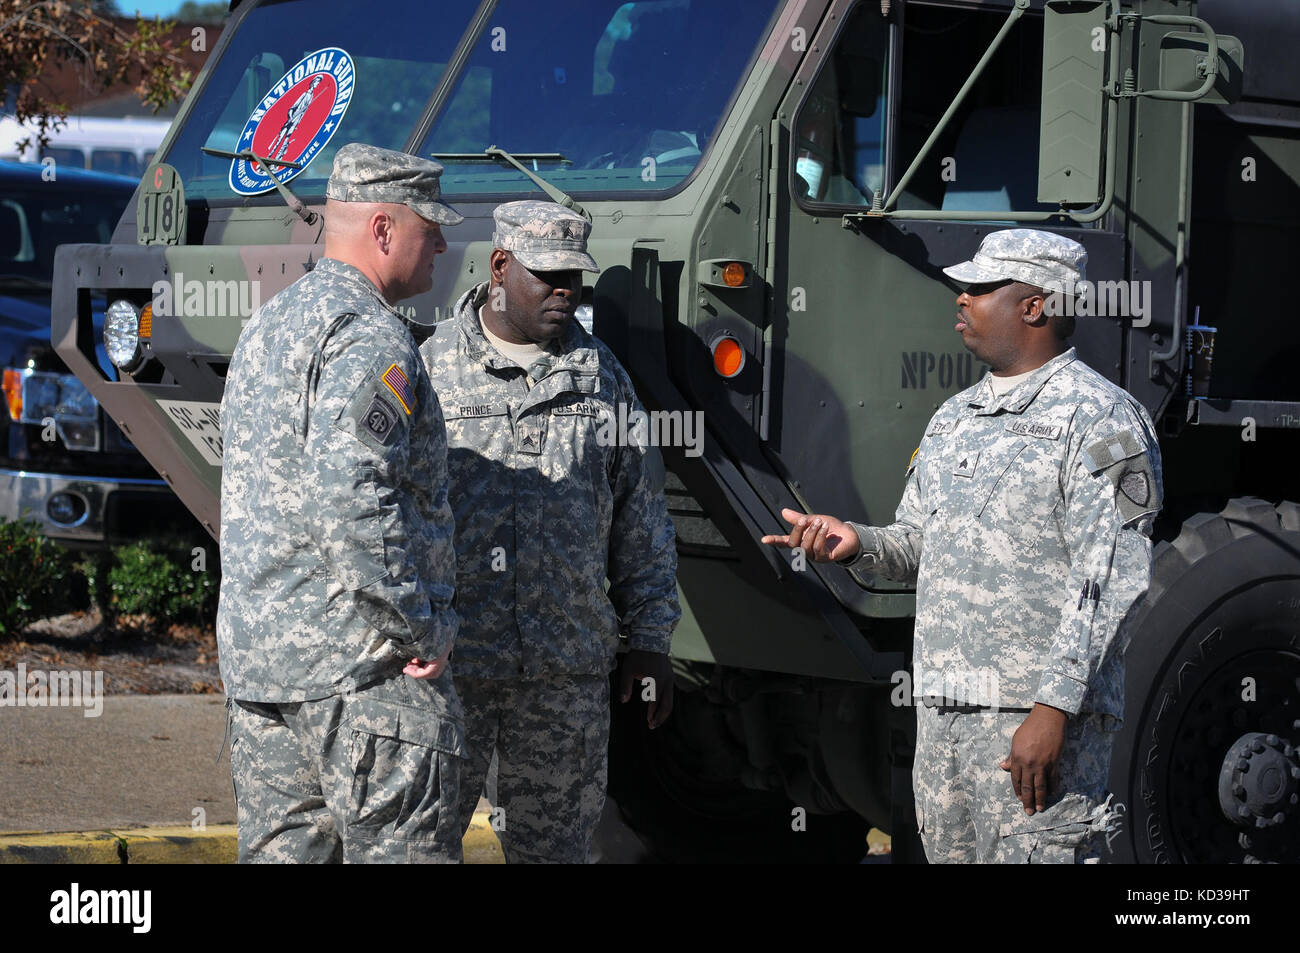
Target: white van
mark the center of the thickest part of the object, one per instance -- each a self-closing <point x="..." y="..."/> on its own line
<point x="124" y="146"/>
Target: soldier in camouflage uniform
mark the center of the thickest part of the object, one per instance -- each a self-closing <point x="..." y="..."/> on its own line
<point x="1025" y="525"/>
<point x="335" y="618"/>
<point x="548" y="506"/>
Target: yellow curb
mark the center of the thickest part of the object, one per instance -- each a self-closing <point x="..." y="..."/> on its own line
<point x="181" y="845"/>
<point x="218" y="844"/>
<point x="74" y="848"/>
<point x="480" y="844"/>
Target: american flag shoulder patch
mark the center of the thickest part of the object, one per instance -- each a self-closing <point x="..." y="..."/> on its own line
<point x="396" y="381"/>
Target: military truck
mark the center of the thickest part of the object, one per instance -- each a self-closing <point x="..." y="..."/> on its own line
<point x="774" y="186"/>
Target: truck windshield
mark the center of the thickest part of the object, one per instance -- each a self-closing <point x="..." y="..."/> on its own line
<point x="36" y="220"/>
<point x="628" y="93"/>
<point x="302" y="78"/>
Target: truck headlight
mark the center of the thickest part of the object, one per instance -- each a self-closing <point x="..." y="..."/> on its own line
<point x="38" y="397"/>
<point x="122" y="334"/>
<point x="585" y="313"/>
<point x="75" y="401"/>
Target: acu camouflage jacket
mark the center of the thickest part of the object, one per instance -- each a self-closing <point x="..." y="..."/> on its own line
<point x="546" y="510"/>
<point x="1025" y="523"/>
<point x="336" y="534"/>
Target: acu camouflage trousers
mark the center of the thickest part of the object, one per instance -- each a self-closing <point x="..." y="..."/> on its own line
<point x="966" y="806"/>
<point x="551" y="738"/>
<point x="370" y="776"/>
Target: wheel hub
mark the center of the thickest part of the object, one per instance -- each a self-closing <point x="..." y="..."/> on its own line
<point x="1259" y="783"/>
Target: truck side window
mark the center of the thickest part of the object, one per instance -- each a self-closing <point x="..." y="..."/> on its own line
<point x="987" y="157"/>
<point x="839" y="130"/>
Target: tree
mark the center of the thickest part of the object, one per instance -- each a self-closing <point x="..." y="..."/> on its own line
<point x="36" y="35"/>
<point x="192" y="11"/>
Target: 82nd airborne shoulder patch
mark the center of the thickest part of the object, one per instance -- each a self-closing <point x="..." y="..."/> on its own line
<point x="374" y="415"/>
<point x="380" y="420"/>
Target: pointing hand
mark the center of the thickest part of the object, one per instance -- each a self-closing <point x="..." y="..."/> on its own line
<point x="825" y="537"/>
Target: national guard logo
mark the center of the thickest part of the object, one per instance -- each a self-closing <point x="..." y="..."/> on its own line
<point x="295" y="119"/>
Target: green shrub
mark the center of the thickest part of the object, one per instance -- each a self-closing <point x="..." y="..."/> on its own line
<point x="155" y="578"/>
<point x="38" y="578"/>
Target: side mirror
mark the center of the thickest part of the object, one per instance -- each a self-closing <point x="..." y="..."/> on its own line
<point x="1184" y="58"/>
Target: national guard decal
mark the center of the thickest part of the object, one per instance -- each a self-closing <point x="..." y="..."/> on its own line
<point x="400" y="386"/>
<point x="295" y="119"/>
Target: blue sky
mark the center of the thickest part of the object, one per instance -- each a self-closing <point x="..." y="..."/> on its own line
<point x="150" y="8"/>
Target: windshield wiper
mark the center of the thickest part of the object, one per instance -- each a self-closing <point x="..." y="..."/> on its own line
<point x="295" y="204"/>
<point x="492" y="153"/>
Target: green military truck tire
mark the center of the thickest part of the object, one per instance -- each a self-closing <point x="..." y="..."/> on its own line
<point x="1214" y="665"/>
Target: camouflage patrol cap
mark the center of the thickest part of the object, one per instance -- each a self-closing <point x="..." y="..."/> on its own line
<point x="544" y="236"/>
<point x="365" y="173"/>
<point x="1042" y="259"/>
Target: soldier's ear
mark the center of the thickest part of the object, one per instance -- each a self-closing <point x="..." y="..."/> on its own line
<point x="499" y="263"/>
<point x="1034" y="312"/>
<point x="381" y="230"/>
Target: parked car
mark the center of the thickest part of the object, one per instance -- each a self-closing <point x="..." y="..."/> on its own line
<point x="62" y="461"/>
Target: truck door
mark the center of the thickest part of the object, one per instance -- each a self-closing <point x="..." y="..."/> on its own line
<point x="863" y="348"/>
